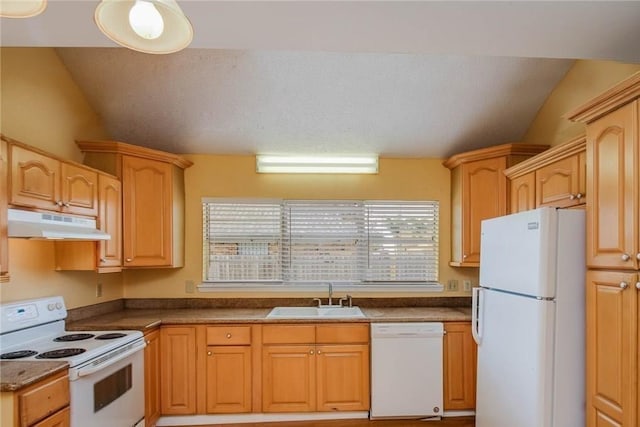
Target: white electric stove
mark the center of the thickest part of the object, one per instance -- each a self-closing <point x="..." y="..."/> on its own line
<point x="106" y="368"/>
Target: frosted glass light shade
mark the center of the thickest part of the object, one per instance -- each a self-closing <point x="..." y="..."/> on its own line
<point x="112" y="17"/>
<point x="21" y="8"/>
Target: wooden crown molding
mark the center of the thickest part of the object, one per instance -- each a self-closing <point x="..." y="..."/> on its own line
<point x="116" y="147"/>
<point x="618" y="95"/>
<point x="553" y="154"/>
<point x="511" y="149"/>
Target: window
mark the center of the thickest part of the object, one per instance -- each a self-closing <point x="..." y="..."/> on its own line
<point x="298" y="242"/>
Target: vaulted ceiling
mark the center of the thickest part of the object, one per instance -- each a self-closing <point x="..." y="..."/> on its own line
<point x="389" y="77"/>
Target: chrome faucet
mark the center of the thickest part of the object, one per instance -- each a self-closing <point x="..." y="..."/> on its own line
<point x="330" y="294"/>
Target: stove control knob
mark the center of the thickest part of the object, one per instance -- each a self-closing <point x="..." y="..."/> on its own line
<point x="51" y="307"/>
<point x="59" y="305"/>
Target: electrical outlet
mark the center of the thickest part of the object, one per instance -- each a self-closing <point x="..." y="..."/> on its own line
<point x="466" y="285"/>
<point x="98" y="290"/>
<point x="189" y="286"/>
<point x="452" y="285"/>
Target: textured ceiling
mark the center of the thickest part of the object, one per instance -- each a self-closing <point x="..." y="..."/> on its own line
<point x="389" y="77"/>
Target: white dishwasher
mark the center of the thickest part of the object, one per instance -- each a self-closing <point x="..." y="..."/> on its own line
<point x="406" y="370"/>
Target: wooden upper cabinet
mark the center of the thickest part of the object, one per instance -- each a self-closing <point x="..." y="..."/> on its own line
<point x="555" y="177"/>
<point x="612" y="348"/>
<point x="4" y="189"/>
<point x="35" y="179"/>
<point x="152" y="200"/>
<point x="479" y="191"/>
<point x="523" y="193"/>
<point x="110" y="221"/>
<point x="148" y="207"/>
<point x="42" y="181"/>
<point x="613" y="176"/>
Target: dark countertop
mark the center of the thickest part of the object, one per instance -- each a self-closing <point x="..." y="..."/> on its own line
<point x="146" y="319"/>
<point x="15" y="375"/>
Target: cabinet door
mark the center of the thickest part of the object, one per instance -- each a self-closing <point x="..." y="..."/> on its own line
<point x="4" y="240"/>
<point x="147" y="212"/>
<point x="612" y="349"/>
<point x="79" y="190"/>
<point x="228" y="379"/>
<point x="152" y="378"/>
<point x="110" y="221"/>
<point x="343" y="377"/>
<point x="558" y="184"/>
<point x="613" y="177"/>
<point x="178" y="370"/>
<point x="289" y="378"/>
<point x="483" y="196"/>
<point x="459" y="351"/>
<point x="35" y="179"/>
<point x="523" y="193"/>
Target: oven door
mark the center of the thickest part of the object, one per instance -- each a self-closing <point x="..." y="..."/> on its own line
<point x="109" y="392"/>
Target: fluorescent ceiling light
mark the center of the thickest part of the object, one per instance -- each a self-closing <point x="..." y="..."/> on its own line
<point x="316" y="164"/>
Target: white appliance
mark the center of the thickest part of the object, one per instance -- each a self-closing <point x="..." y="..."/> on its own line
<point x="528" y="320"/>
<point x="106" y="368"/>
<point x="55" y="226"/>
<point x="406" y="370"/>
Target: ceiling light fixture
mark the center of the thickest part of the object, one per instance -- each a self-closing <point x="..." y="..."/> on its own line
<point x="316" y="164"/>
<point x="21" y="8"/>
<point x="149" y="26"/>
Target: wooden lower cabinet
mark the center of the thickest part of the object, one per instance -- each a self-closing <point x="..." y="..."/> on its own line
<point x="288" y="378"/>
<point x="61" y="418"/>
<point x="342" y="373"/>
<point x="228" y="379"/>
<point x="152" y="378"/>
<point x="460" y="354"/>
<point x="4" y="238"/>
<point x="303" y="371"/>
<point x="178" y="370"/>
<point x="612" y="359"/>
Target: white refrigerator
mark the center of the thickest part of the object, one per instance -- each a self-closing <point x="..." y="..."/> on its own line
<point x="528" y="320"/>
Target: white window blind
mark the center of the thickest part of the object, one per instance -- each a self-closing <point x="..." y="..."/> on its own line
<point x="324" y="241"/>
<point x="403" y="241"/>
<point x="242" y="241"/>
<point x="301" y="242"/>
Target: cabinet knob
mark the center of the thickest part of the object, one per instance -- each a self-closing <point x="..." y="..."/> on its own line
<point x="311" y="352"/>
<point x="572" y="196"/>
<point x="66" y="204"/>
<point x="58" y="203"/>
<point x="638" y="256"/>
<point x="625" y="257"/>
<point x="128" y="260"/>
<point x="319" y="352"/>
<point x="579" y="196"/>
<point x="228" y="335"/>
<point x="209" y="353"/>
<point x="638" y="286"/>
<point x="624" y="285"/>
<point x="103" y="260"/>
<point x="464" y="256"/>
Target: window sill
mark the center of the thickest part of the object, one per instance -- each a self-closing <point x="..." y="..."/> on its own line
<point x="319" y="287"/>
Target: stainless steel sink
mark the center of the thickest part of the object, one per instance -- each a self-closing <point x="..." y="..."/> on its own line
<point x="322" y="312"/>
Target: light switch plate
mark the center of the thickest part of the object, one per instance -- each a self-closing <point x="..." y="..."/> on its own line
<point x="452" y="285"/>
<point x="466" y="285"/>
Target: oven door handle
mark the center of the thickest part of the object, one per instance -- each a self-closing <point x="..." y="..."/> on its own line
<point x="99" y="365"/>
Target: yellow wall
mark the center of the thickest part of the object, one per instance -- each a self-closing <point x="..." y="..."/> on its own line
<point x="235" y="176"/>
<point x="585" y="80"/>
<point x="42" y="106"/>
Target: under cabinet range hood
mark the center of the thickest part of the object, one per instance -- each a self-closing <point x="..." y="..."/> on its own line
<point x="54" y="226"/>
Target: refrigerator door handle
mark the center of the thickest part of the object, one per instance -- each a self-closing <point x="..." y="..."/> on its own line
<point x="476" y="318"/>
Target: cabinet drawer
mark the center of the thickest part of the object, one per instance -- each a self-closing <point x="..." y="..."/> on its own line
<point x="288" y="334"/>
<point x="59" y="419"/>
<point x="334" y="334"/>
<point x="43" y="400"/>
<point x="229" y="335"/>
